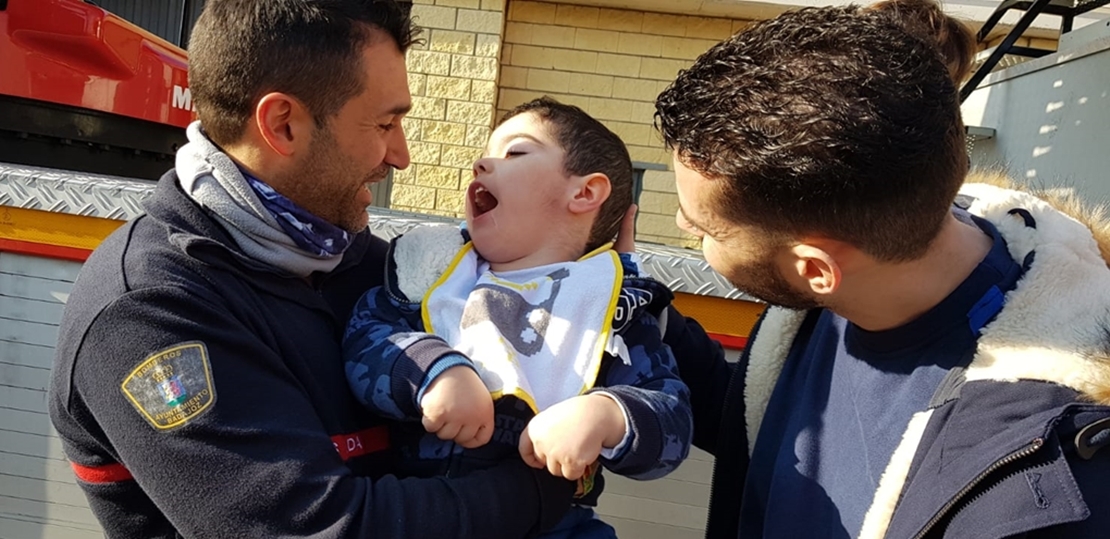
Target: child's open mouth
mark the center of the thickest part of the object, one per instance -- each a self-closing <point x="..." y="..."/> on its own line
<point x="481" y="199"/>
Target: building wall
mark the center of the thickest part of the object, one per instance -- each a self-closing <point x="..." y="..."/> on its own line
<point x="453" y="79"/>
<point x="612" y="63"/>
<point x="482" y="57"/>
<point x="1050" y="117"/>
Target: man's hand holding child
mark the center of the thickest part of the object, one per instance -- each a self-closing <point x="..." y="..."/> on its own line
<point x="457" y="406"/>
<point x="569" y="436"/>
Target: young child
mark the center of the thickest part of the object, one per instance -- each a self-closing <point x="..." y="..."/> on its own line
<point x="535" y="312"/>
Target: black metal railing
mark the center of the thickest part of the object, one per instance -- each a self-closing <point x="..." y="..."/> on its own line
<point x="1067" y="10"/>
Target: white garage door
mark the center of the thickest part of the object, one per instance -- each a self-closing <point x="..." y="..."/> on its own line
<point x="38" y="496"/>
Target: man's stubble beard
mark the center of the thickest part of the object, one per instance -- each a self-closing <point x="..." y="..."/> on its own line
<point x="323" y="184"/>
<point x="765" y="283"/>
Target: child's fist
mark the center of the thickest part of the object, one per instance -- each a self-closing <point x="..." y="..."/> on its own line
<point x="568" y="437"/>
<point x="457" y="406"/>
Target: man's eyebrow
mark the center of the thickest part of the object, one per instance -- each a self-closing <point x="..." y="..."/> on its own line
<point x="686" y="216"/>
<point x="400" y="110"/>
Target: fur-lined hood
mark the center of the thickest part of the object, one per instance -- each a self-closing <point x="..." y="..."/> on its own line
<point x="1056" y="324"/>
<point x="1054" y="327"/>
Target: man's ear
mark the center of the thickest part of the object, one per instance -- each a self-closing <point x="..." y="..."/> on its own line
<point x="284" y="123"/>
<point x="817" y="267"/>
<point x="591" y="191"/>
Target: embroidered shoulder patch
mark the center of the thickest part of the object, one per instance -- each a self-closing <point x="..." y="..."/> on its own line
<point x="173" y="386"/>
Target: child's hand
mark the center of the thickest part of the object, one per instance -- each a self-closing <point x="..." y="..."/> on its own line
<point x="568" y="436"/>
<point x="626" y="237"/>
<point x="457" y="406"/>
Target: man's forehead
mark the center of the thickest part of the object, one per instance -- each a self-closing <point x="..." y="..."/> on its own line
<point x="697" y="202"/>
<point x="693" y="217"/>
<point x="386" y="85"/>
<point x="398" y="109"/>
<point x="376" y="104"/>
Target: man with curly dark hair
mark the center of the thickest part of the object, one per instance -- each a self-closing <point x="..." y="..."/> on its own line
<point x="933" y="361"/>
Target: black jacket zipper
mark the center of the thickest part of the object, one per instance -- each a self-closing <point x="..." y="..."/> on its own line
<point x="1028" y="450"/>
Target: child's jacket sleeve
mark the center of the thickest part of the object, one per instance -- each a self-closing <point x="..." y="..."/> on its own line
<point x="646" y="385"/>
<point x="388" y="360"/>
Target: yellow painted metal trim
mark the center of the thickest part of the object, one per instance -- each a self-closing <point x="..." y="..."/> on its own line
<point x="721" y="316"/>
<point x="57" y="229"/>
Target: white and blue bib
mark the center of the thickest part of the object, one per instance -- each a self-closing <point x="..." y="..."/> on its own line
<point x="538" y="333"/>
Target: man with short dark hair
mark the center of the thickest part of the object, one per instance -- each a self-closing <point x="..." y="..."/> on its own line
<point x="925" y="370"/>
<point x="198" y="385"/>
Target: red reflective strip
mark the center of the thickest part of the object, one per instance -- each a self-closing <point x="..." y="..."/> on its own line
<point x="109" y="473"/>
<point x="362" y="442"/>
<point x="42" y="249"/>
<point x="729" y="341"/>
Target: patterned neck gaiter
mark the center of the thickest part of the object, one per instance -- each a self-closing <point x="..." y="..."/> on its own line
<point x="309" y="232"/>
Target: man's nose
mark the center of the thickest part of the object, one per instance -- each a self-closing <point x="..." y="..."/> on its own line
<point x="397" y="151"/>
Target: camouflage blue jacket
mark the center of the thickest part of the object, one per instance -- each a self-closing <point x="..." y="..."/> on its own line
<point x="390" y="360"/>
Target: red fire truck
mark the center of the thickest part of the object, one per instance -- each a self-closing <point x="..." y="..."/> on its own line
<point x="82" y="89"/>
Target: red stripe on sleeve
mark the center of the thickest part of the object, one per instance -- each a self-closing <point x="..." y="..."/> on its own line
<point x="362" y="442"/>
<point x="348" y="445"/>
<point x="109" y="473"/>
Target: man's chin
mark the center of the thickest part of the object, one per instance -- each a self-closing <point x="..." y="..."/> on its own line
<point x="357" y="224"/>
<point x="805" y="305"/>
<point x="780" y="296"/>
<point x="794" y="302"/>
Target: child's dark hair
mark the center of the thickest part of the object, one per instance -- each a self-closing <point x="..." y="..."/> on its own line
<point x="590" y="148"/>
<point x="924" y="18"/>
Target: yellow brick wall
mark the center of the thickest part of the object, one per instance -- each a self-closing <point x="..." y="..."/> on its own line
<point x="453" y="80"/>
<point x="612" y="63"/>
<point x="1034" y="42"/>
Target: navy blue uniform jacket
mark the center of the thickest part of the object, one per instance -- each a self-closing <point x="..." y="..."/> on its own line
<point x="280" y="448"/>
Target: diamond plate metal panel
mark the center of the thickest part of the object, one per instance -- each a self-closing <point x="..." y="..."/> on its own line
<point x="70" y="192"/>
<point x="386" y="223"/>
<point x="685" y="270"/>
<point x="92" y="195"/>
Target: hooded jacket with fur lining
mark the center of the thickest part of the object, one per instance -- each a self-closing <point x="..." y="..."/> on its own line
<point x="1011" y="448"/>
